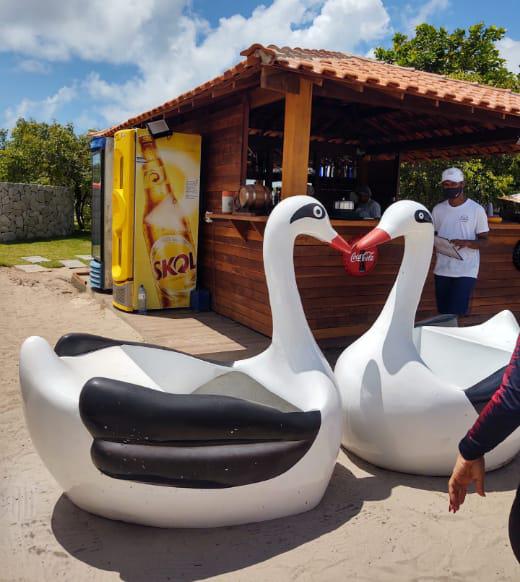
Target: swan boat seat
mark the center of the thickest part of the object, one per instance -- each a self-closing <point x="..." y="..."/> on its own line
<point x="199" y="440"/>
<point x="202" y="441"/>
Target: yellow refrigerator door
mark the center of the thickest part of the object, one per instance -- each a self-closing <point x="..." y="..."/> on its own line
<point x="123" y="201"/>
<point x="167" y="217"/>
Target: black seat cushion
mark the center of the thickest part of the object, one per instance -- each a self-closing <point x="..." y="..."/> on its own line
<point x="190" y="440"/>
<point x="481" y="393"/>
<point x="77" y="344"/>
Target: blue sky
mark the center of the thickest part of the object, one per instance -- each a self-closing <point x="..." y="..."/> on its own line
<point x="96" y="63"/>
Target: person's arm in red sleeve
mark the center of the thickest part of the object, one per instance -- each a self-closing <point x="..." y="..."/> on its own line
<point x="496" y="422"/>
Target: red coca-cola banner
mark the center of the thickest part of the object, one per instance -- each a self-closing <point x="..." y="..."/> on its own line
<point x="360" y="262"/>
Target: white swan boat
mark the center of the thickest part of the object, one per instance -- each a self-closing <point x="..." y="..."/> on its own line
<point x="153" y="436"/>
<point x="409" y="395"/>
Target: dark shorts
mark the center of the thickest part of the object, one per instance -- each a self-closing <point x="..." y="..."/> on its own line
<point x="453" y="294"/>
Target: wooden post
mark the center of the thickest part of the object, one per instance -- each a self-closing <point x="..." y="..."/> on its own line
<point x="296" y="138"/>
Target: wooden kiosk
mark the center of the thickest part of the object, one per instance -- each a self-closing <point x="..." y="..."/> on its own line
<point x="299" y="117"/>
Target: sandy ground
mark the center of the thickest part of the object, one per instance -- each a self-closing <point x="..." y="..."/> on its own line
<point x="372" y="525"/>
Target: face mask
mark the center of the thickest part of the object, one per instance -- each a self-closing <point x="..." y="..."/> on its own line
<point x="452" y="193"/>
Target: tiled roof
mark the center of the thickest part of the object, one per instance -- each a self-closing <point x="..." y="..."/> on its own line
<point x="375" y="73"/>
<point x="350" y="69"/>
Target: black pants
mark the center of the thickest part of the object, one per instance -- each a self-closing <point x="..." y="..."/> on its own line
<point x="514" y="526"/>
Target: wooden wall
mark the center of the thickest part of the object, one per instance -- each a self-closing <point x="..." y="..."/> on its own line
<point x="338" y="306"/>
<point x="222" y="132"/>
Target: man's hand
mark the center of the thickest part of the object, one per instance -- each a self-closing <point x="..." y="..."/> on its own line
<point x="464" y="473"/>
<point x="478" y="243"/>
<point x="461" y="243"/>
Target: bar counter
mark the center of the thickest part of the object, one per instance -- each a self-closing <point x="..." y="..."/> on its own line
<point x="338" y="306"/>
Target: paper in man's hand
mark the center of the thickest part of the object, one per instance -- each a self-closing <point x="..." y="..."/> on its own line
<point x="444" y="247"/>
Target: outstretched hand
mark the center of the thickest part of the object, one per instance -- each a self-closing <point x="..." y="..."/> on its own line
<point x="464" y="473"/>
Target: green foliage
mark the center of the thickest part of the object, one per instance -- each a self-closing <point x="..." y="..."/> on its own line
<point x="486" y="179"/>
<point x="50" y="154"/>
<point x="469" y="55"/>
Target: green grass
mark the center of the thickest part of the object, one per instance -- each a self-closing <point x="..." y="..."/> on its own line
<point x="66" y="247"/>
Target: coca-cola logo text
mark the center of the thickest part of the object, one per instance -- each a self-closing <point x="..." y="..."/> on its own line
<point x="173" y="266"/>
<point x="362" y="257"/>
<point x="360" y="262"/>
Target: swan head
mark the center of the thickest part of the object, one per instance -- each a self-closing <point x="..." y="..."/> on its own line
<point x="403" y="218"/>
<point x="304" y="215"/>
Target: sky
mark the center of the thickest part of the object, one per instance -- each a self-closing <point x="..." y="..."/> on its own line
<point x="100" y="62"/>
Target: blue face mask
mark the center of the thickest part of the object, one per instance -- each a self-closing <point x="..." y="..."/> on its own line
<point x="452" y="193"/>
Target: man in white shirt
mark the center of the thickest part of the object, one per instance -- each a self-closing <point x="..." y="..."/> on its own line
<point x="464" y="223"/>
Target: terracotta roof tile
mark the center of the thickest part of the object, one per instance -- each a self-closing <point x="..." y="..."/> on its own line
<point x="353" y="69"/>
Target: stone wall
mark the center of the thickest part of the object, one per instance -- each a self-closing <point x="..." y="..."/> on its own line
<point x="33" y="211"/>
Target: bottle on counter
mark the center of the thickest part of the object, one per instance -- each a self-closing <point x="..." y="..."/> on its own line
<point x="141" y="300"/>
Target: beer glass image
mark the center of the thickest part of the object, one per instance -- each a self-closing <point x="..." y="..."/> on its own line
<point x="166" y="229"/>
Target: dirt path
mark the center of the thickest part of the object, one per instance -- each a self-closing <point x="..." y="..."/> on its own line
<point x="373" y="525"/>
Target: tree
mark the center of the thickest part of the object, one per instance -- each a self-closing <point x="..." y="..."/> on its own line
<point x="50" y="154"/>
<point x="470" y="55"/>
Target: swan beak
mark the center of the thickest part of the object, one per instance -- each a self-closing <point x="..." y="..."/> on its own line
<point x="340" y="244"/>
<point x="375" y="237"/>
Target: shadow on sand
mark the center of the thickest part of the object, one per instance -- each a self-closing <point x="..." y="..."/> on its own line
<point x="141" y="553"/>
<point x="503" y="479"/>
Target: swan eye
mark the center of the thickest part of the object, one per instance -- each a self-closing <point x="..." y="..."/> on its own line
<point x="312" y="210"/>
<point x="423" y="216"/>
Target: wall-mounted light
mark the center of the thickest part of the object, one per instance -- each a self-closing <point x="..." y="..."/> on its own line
<point x="158" y="128"/>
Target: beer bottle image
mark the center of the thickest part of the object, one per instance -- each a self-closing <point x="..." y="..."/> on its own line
<point x="166" y="231"/>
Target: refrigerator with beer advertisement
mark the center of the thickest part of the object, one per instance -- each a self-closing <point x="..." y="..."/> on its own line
<point x="155" y="219"/>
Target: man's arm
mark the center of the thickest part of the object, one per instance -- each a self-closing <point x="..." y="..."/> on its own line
<point x="480" y="242"/>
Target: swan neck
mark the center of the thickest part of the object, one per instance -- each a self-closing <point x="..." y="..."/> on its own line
<point x="291" y="332"/>
<point x="402" y="303"/>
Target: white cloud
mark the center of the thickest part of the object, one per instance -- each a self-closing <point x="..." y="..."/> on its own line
<point x="510" y="51"/>
<point x="43" y="110"/>
<point x="173" y="48"/>
<point x="94" y="30"/>
<point x="34" y="66"/>
<point x="187" y="61"/>
<point x="416" y="16"/>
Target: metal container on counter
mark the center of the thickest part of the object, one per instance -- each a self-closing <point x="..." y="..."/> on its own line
<point x="254" y="198"/>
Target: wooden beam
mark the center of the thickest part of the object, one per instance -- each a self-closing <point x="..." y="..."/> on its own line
<point x="297" y="127"/>
<point x="281" y="81"/>
<point x="245" y="137"/>
<point x="504" y="134"/>
<point x="382" y="97"/>
<point x="259" y="97"/>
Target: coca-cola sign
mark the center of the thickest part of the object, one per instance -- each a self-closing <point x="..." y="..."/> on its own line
<point x="360" y="261"/>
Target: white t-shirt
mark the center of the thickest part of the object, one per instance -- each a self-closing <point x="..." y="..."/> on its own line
<point x="459" y="222"/>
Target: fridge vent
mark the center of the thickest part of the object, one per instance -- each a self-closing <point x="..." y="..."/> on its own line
<point x="123" y="294"/>
<point x="96" y="274"/>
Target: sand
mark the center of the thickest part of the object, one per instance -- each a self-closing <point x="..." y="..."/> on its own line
<point x="372" y="525"/>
